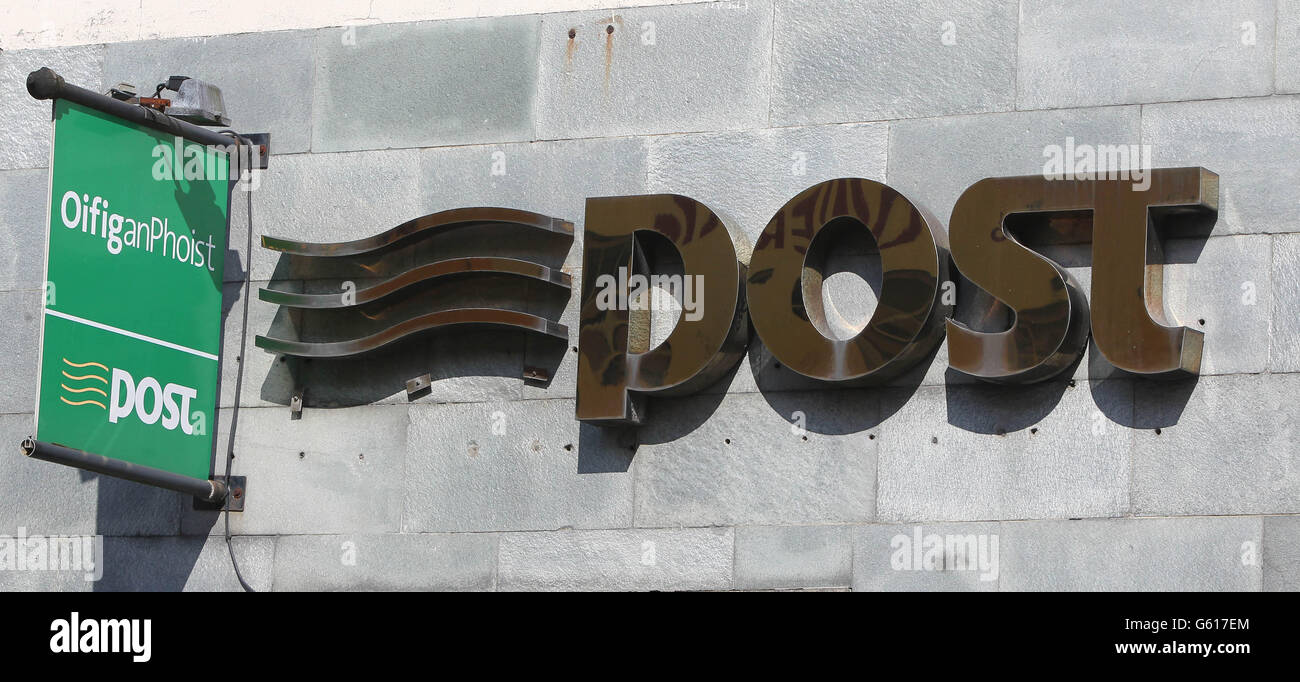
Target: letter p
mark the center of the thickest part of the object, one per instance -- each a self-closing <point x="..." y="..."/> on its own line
<point x="122" y="402"/>
<point x="616" y="366"/>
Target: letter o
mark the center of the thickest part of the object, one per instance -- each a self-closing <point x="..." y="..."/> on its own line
<point x="908" y="321"/>
<point x="147" y="384"/>
<point x="76" y="214"/>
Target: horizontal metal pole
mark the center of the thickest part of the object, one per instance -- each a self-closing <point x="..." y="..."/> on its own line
<point x="208" y="491"/>
<point x="44" y="83"/>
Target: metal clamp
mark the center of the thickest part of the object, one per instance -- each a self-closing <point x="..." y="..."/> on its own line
<point x="237" y="487"/>
<point x="419" y="386"/>
<point x="295" y="404"/>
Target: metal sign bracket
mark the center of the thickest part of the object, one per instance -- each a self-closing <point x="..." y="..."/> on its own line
<point x="238" y="487"/>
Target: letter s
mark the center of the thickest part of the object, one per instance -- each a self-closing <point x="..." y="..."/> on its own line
<point x="171" y="411"/>
<point x="181" y="415"/>
<point x="1050" y="326"/>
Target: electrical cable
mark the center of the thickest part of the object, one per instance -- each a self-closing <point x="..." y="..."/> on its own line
<point x="239" y="376"/>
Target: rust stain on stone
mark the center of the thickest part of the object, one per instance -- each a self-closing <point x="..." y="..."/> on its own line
<point x="609" y="55"/>
<point x="570" y="49"/>
<point x="609" y="29"/>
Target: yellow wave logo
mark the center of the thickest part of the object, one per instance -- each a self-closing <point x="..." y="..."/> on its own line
<point x="86" y="392"/>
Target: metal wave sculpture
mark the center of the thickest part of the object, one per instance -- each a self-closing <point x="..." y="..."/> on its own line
<point x="426" y="297"/>
<point x="419" y="275"/>
<point x="433" y="223"/>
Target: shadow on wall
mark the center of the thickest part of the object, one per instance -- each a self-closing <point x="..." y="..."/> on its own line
<point x="856" y="409"/>
<point x="139" y="522"/>
<point x="971" y="405"/>
<point x="145" y="555"/>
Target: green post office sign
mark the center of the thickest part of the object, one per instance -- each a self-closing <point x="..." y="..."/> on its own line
<point x="131" y="329"/>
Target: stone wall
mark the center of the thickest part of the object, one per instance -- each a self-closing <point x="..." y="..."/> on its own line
<point x="1089" y="482"/>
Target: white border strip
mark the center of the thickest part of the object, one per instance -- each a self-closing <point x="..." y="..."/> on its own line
<point x="45" y="268"/>
<point x="123" y="332"/>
